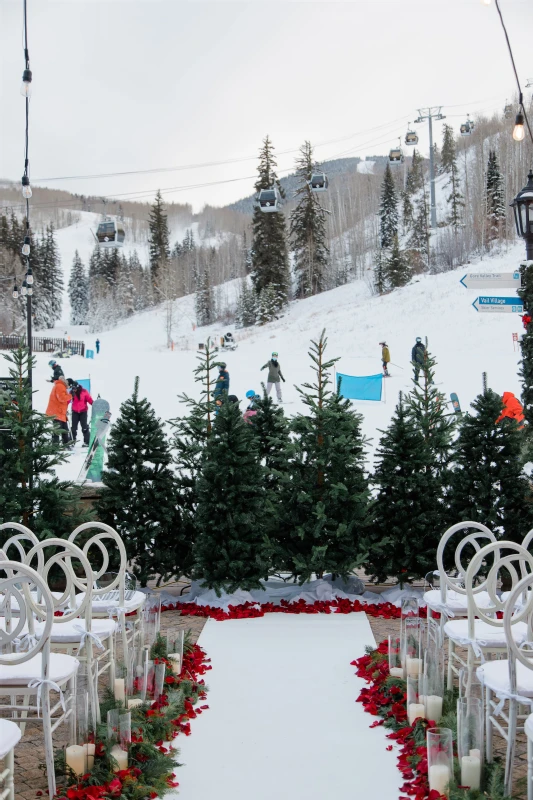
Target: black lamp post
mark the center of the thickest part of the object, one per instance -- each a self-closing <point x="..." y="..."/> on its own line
<point x="522" y="206"/>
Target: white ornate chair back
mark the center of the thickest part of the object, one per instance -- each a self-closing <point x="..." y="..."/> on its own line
<point x="517" y="611"/>
<point x="97" y="542"/>
<point x="472" y="540"/>
<point x="23" y="584"/>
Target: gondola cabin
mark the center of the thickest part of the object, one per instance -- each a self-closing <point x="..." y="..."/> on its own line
<point x="319" y="182"/>
<point x="269" y="200"/>
<point x="411" y="137"/>
<point x="466" y="129"/>
<point x="110" y="234"/>
<point x="508" y="112"/>
<point x="396" y="156"/>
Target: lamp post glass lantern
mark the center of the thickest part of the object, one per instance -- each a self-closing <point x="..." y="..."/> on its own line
<point x="522" y="206"/>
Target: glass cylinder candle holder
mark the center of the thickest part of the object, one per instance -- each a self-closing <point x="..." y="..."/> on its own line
<point x="409" y="610"/>
<point x="415" y="704"/>
<point x="134" y="677"/>
<point x="469" y="684"/>
<point x="470" y="740"/>
<point x="113" y="730"/>
<point x="121" y="682"/>
<point x="440" y="759"/>
<point x="433" y="681"/>
<point x="159" y="680"/>
<point x="396" y="669"/>
<point x="77" y="753"/>
<point x="412" y="651"/>
<point x="148" y="681"/>
<point x="151" y="618"/>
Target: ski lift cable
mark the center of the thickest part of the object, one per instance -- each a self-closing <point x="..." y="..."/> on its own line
<point x="520" y="95"/>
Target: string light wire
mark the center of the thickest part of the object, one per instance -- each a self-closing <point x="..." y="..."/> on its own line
<point x="520" y="95"/>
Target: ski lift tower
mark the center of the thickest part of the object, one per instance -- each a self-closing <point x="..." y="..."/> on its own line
<point x="432" y="113"/>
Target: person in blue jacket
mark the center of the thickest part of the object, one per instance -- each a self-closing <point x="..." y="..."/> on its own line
<point x="222" y="383"/>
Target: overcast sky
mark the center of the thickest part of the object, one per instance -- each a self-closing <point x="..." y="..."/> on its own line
<point x="125" y="85"/>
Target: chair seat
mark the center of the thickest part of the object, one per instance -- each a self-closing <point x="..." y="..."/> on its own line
<point x="519" y="603"/>
<point x="61" y="668"/>
<point x="15" y="606"/>
<point x="10" y="734"/>
<point x="528" y="726"/>
<point x="487" y="635"/>
<point x="66" y="631"/>
<point x="455" y="602"/>
<point x="495" y="675"/>
<point x="103" y="606"/>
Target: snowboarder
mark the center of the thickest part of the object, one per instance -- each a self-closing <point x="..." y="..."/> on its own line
<point x="97" y="343"/>
<point x="385" y="358"/>
<point x="251" y="409"/>
<point x="222" y="383"/>
<point x="512" y="408"/>
<point x="57" y="371"/>
<point x="418" y="354"/>
<point x="57" y="408"/>
<point x="80" y="399"/>
<point x="274" y="374"/>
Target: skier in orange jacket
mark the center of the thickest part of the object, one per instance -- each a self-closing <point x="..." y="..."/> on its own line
<point x="512" y="408"/>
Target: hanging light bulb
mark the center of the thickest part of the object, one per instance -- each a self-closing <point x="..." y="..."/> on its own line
<point x="25" y="89"/>
<point x="518" y="130"/>
<point x="26" y="246"/>
<point x="23" y="289"/>
<point x="15" y="291"/>
<point x="486" y="2"/>
<point x="29" y="291"/>
<point x="29" y="277"/>
<point x="26" y="188"/>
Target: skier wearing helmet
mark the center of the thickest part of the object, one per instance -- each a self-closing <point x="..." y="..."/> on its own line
<point x="385" y="358"/>
<point x="251" y="410"/>
<point x="57" y="371"/>
<point x="222" y="383"/>
<point x="418" y="353"/>
<point x="274" y="375"/>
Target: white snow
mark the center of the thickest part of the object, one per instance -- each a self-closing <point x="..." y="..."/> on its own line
<point x="282" y="719"/>
<point x="465" y="343"/>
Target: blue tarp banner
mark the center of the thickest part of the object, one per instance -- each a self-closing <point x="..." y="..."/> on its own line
<point x="85" y="382"/>
<point x="365" y="387"/>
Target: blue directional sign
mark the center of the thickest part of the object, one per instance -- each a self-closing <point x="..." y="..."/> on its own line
<point x="506" y="305"/>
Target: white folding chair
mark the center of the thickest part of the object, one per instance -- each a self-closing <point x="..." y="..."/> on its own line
<point x="10" y="734"/>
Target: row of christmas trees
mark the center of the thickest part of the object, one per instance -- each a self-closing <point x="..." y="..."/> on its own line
<point x="230" y="502"/>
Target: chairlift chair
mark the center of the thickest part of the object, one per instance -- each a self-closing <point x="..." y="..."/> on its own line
<point x="269" y="200"/>
<point x="319" y="182"/>
<point x="110" y="233"/>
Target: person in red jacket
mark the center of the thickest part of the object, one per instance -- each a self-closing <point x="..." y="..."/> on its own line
<point x="57" y="408"/>
<point x="80" y="400"/>
<point x="512" y="408"/>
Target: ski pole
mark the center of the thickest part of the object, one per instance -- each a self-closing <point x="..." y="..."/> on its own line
<point x="396" y="365"/>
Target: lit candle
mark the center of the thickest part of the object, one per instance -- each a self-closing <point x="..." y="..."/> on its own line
<point x="471" y="771"/>
<point x="439" y="778"/>
<point x="396" y="672"/>
<point x="414" y="711"/>
<point x="135" y="702"/>
<point x="175" y="661"/>
<point x="414" y="666"/>
<point x="476" y="754"/>
<point x="89" y="749"/>
<point x="120" y="693"/>
<point x="120" y="756"/>
<point x="75" y="757"/>
<point x="433" y="707"/>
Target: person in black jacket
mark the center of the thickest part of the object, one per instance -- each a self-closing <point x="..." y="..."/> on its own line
<point x="57" y="371"/>
<point x="418" y="354"/>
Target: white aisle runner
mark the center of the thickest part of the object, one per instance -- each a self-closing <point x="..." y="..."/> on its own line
<point x="282" y="721"/>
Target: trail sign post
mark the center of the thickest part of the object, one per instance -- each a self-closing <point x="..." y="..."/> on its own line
<point x="486" y="280"/>
<point x="506" y="305"/>
<point x="515" y="340"/>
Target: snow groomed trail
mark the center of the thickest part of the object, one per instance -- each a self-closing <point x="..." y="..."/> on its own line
<point x="283" y="721"/>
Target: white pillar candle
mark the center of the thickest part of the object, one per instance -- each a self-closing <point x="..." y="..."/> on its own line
<point x="120" y="756"/>
<point x="439" y="778"/>
<point x="471" y="771"/>
<point x="414" y="666"/>
<point x="396" y="672"/>
<point x="175" y="661"/>
<point x="414" y="711"/>
<point x="476" y="754"/>
<point x="120" y="693"/>
<point x="89" y="749"/>
<point x="433" y="707"/>
<point x="135" y="702"/>
<point x="75" y="757"/>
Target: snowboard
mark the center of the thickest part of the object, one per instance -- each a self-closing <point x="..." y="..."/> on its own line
<point x="94" y="461"/>
<point x="456" y="404"/>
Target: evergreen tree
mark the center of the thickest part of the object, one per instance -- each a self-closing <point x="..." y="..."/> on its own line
<point x="327" y="496"/>
<point x="140" y="498"/>
<point x="158" y="238"/>
<point x="268" y="259"/>
<point x="268" y="304"/>
<point x="397" y="270"/>
<point x="125" y="293"/>
<point x="308" y="229"/>
<point x="418" y="243"/>
<point x="495" y="197"/>
<point x="388" y="210"/>
<point x="380" y="283"/>
<point x="78" y="292"/>
<point x="400" y="542"/>
<point x="449" y="166"/>
<point x="246" y="312"/>
<point x="232" y="551"/>
<point x="30" y="492"/>
<point x="246" y="266"/>
<point x="205" y="301"/>
<point x="46" y="265"/>
<point x="488" y="484"/>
